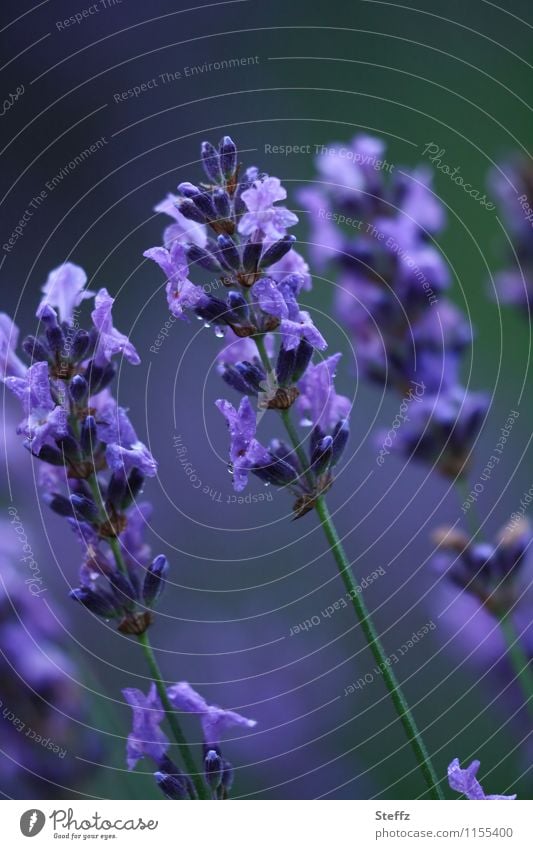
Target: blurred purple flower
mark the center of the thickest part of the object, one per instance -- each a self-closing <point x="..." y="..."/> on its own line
<point x="465" y="781"/>
<point x="10" y="365"/>
<point x="215" y="720"/>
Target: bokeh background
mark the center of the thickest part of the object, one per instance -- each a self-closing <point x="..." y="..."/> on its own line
<point x="454" y="73"/>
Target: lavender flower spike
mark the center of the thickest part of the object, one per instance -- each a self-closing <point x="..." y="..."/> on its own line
<point x="465" y="781"/>
<point x="65" y="290"/>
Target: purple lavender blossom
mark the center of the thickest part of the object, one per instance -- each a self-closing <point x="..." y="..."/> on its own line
<point x="65" y="290"/>
<point x="181" y="293"/>
<point x="320" y="405"/>
<point x="183" y="231"/>
<point x="45" y="421"/>
<point x="272" y="222"/>
<point x="465" y="781"/>
<point x="146" y="740"/>
<point x="215" y="720"/>
<point x="245" y="451"/>
<point x="110" y="340"/>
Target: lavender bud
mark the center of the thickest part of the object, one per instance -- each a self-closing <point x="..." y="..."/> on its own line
<point x="304" y="353"/>
<point x="321" y="456"/>
<point x="97" y="601"/>
<point x="69" y="447"/>
<point x="79" y="389"/>
<point x="154" y="580"/>
<point x="252" y="375"/>
<point x="285" y="365"/>
<point x="55" y="338"/>
<point x="228" y="157"/>
<point x="98" y="377"/>
<point x="88" y="436"/>
<point x="229" y="251"/>
<point x="190" y="211"/>
<point x="171" y="785"/>
<point x="214" y="310"/>
<point x="213" y="769"/>
<point x="203" y="258"/>
<point x="281" y="451"/>
<point x="48" y="316"/>
<point x="238" y="306"/>
<point x="277" y="251"/>
<point x="341" y="432"/>
<point x="227" y="776"/>
<point x="135" y="485"/>
<point x="211" y="162"/>
<point x="222" y="203"/>
<point x="80" y="345"/>
<point x="48" y="455"/>
<point x="84" y="507"/>
<point x="278" y="473"/>
<point x="201" y="200"/>
<point x="124" y="592"/>
<point x="35" y="349"/>
<point x="234" y="379"/>
<point x="59" y="504"/>
<point x="251" y="255"/>
<point x="116" y="491"/>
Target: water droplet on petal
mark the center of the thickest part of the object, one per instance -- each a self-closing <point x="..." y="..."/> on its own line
<point x="219" y="332"/>
<point x="207" y="325"/>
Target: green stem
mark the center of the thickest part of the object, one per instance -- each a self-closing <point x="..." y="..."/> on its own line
<point x="397" y="697"/>
<point x="179" y="736"/>
<point x="521" y="663"/>
<point x="472" y="520"/>
<point x="144" y="640"/>
<point x="376" y="647"/>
